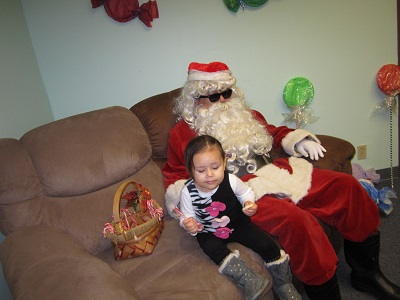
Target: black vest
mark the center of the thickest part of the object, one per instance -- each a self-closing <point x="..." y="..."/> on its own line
<point x="224" y="194"/>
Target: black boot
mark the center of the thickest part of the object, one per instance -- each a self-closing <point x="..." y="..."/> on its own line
<point x="326" y="291"/>
<point x="366" y="275"/>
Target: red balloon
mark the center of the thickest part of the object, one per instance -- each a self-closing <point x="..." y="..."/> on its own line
<point x="388" y="78"/>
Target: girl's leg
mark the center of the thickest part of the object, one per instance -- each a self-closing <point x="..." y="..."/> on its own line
<point x="276" y="261"/>
<point x="214" y="247"/>
<point x="259" y="241"/>
<point x="230" y="264"/>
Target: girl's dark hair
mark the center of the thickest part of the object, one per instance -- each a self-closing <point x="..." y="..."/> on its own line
<point x="200" y="144"/>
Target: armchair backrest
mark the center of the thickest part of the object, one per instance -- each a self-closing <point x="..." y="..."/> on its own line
<point x="155" y="114"/>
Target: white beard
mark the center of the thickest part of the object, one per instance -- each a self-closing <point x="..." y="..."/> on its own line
<point x="242" y="137"/>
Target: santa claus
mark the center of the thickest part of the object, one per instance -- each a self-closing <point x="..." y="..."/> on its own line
<point x="290" y="192"/>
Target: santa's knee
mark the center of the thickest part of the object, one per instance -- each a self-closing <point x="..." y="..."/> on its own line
<point x="298" y="222"/>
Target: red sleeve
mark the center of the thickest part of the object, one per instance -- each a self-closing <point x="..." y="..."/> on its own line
<point x="278" y="133"/>
<point x="174" y="169"/>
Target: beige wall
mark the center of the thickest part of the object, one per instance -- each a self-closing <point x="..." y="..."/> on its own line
<point x="23" y="100"/>
<point x="88" y="61"/>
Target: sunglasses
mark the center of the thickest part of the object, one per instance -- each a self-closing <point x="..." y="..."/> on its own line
<point x="215" y="97"/>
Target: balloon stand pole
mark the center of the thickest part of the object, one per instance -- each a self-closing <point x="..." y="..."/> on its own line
<point x="388" y="82"/>
<point x="391" y="146"/>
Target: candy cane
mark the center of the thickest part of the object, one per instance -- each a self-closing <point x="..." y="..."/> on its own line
<point x="179" y="213"/>
<point x="108" y="227"/>
<point x="150" y="207"/>
<point x="159" y="211"/>
<point x="127" y="213"/>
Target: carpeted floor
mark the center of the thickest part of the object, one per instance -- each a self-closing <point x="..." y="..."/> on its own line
<point x="390" y="250"/>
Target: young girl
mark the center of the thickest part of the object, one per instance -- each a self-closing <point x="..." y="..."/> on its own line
<point x="217" y="207"/>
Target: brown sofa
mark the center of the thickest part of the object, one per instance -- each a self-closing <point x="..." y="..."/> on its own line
<point x="56" y="191"/>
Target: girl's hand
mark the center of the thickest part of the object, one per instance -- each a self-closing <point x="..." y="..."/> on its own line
<point x="191" y="225"/>
<point x="250" y="208"/>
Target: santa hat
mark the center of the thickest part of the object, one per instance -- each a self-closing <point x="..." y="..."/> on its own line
<point x="216" y="71"/>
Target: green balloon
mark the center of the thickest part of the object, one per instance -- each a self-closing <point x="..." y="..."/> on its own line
<point x="298" y="92"/>
<point x="232" y="5"/>
<point x="255" y="3"/>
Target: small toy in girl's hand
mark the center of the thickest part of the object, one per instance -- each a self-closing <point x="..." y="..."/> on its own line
<point x="380" y="197"/>
<point x="247" y="207"/>
<point x="250" y="208"/>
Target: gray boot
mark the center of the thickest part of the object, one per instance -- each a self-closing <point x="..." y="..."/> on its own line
<point x="282" y="275"/>
<point x="252" y="284"/>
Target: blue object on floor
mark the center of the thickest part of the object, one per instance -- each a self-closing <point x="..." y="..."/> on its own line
<point x="381" y="196"/>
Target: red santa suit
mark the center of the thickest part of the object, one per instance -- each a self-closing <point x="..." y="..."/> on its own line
<point x="291" y="194"/>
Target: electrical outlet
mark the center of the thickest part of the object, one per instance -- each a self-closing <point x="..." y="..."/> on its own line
<point x="362" y="152"/>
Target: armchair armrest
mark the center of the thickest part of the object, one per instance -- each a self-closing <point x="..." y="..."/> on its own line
<point x="40" y="262"/>
<point x="337" y="157"/>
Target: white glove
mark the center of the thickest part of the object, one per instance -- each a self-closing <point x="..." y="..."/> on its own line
<point x="309" y="148"/>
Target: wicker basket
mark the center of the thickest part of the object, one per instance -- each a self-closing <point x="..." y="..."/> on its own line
<point x="136" y="228"/>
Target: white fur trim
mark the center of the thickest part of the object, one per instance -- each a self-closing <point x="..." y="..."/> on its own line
<point x="173" y="196"/>
<point x="274" y="180"/>
<point x="292" y="138"/>
<point x="214" y="76"/>
<point x="226" y="260"/>
<point x="282" y="259"/>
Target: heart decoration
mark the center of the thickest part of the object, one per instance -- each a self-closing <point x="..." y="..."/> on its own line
<point x="220" y="222"/>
